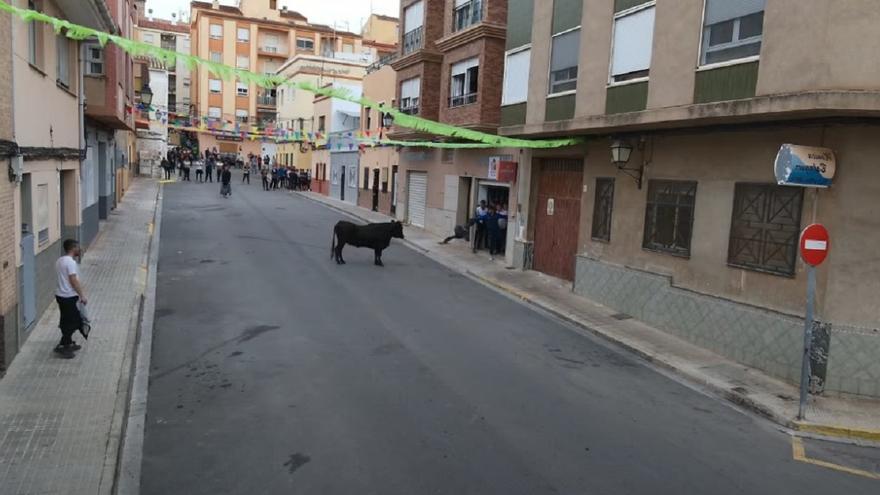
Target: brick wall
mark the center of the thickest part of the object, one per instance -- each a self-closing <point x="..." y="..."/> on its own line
<point x="486" y="110"/>
<point x="429" y="97"/>
<point x="8" y="279"/>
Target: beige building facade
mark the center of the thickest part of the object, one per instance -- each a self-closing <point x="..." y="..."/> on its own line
<point x="692" y="234"/>
<point x="47" y="136"/>
<point x="380" y="165"/>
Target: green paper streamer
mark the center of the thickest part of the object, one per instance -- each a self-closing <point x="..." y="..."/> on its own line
<point x="169" y="57"/>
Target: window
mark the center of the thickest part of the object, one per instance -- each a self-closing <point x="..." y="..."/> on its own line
<point x="765" y="230"/>
<point x="732" y="30"/>
<point x="35" y="39"/>
<point x="149" y="38"/>
<point x="217" y="57"/>
<point x="270" y="43"/>
<point x="366" y="179"/>
<point x="244" y="35"/>
<point x="243" y="62"/>
<point x="564" y="61"/>
<point x="94" y="59"/>
<point x="409" y="95"/>
<point x="214" y="112"/>
<point x="215" y="86"/>
<point x="321" y="121"/>
<point x="413" y="19"/>
<point x="273" y="4"/>
<point x="241" y="116"/>
<point x="466" y="13"/>
<point x="41" y="220"/>
<point x="368" y="118"/>
<point x="602" y="206"/>
<point x="216" y="31"/>
<point x="301" y="123"/>
<point x="632" y="44"/>
<point x="305" y="44"/>
<point x="241" y="89"/>
<point x="516" y="77"/>
<point x="465" y="76"/>
<point x="669" y="216"/>
<point x="347" y="48"/>
<point x="447" y="155"/>
<point x="62" y="62"/>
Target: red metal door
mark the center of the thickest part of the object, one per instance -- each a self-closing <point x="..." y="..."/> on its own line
<point x="557" y="218"/>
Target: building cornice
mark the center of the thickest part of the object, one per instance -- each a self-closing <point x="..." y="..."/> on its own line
<point x="471" y="34"/>
<point x="769" y="108"/>
<point x="417" y="57"/>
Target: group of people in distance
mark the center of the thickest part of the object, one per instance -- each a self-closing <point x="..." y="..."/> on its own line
<point x="280" y="177"/>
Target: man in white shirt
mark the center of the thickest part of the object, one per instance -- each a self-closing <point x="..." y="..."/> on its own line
<point x="68" y="292"/>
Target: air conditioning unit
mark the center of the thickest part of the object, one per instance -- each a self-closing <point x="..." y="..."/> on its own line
<point x="16" y="168"/>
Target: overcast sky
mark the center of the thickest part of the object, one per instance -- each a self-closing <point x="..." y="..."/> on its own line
<point x="354" y="12"/>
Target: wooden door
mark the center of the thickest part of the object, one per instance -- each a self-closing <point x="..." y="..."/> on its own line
<point x="557" y="219"/>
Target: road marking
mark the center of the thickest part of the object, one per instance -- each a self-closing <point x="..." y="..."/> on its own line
<point x="799" y="454"/>
<point x="150" y="227"/>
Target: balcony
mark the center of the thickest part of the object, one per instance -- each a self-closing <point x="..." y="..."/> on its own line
<point x="273" y="51"/>
<point x="413" y="40"/>
<point x="266" y="100"/>
<point x="467" y="15"/>
<point x="462" y="100"/>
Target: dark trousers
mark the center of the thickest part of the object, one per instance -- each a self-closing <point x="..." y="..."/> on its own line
<point x="274" y="184"/>
<point x="185" y="173"/>
<point x="479" y="237"/>
<point x="199" y="175"/>
<point x="246" y="178"/>
<point x="209" y="177"/>
<point x="180" y="171"/>
<point x="70" y="320"/>
<point x="167" y="173"/>
<point x="265" y="183"/>
<point x="494" y="240"/>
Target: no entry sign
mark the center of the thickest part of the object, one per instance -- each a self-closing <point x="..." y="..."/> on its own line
<point x="815" y="244"/>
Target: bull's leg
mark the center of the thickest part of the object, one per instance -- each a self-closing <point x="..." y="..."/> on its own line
<point x="339" y="259"/>
<point x="379" y="257"/>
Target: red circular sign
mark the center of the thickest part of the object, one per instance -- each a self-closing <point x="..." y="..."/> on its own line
<point x="815" y="244"/>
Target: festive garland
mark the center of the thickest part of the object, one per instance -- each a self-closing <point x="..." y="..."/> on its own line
<point x="168" y="57"/>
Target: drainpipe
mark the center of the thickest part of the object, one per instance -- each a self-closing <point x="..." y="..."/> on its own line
<point x="80" y="122"/>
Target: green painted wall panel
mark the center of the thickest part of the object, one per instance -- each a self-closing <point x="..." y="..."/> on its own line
<point x="628" y="98"/>
<point x="726" y="83"/>
<point x="513" y="114"/>
<point x="560" y="108"/>
<point x="519" y="22"/>
<point x="566" y="14"/>
<point x="621" y="5"/>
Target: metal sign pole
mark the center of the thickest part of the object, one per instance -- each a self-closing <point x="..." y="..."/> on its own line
<point x="808" y="339"/>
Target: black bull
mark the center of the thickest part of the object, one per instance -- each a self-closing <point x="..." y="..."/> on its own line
<point x="376" y="236"/>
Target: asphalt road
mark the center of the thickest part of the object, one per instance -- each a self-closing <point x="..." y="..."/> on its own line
<point x="276" y="371"/>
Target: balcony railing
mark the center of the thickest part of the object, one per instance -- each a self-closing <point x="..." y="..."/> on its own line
<point x="461" y="100"/>
<point x="413" y="40"/>
<point x="467" y="15"/>
<point x="266" y="100"/>
<point x="410" y="110"/>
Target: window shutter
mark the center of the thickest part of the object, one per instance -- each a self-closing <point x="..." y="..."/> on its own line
<point x="565" y="51"/>
<point x="516" y="77"/>
<point x="725" y="10"/>
<point x="414" y="16"/>
<point x="633" y="39"/>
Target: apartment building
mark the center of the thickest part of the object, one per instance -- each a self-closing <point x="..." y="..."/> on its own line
<point x="450" y="69"/>
<point x="336" y="160"/>
<point x="260" y="36"/>
<point x="109" y="121"/>
<point x="671" y="211"/>
<point x="296" y="107"/>
<point x="174" y="36"/>
<point x="47" y="140"/>
<point x="379" y="164"/>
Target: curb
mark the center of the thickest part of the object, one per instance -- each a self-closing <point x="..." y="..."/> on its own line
<point x="733" y="396"/>
<point x="836" y="431"/>
<point x="130" y="454"/>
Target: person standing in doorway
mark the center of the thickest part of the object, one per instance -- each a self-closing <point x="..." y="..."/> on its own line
<point x="493" y="232"/>
<point x="226" y="181"/>
<point x="68" y="292"/>
<point x="480" y="223"/>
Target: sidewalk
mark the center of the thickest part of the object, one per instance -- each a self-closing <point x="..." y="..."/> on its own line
<point x="61" y="420"/>
<point x="832" y="417"/>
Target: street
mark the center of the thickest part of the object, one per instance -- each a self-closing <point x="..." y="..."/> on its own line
<point x="276" y="371"/>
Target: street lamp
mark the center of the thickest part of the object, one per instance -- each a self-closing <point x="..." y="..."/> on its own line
<point x="387" y="120"/>
<point x="146" y="95"/>
<point x="621" y="151"/>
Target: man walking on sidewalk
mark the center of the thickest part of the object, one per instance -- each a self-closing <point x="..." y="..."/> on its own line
<point x="68" y="292"/>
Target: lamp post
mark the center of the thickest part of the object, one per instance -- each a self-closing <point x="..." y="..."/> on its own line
<point x="621" y="151"/>
<point x="146" y="95"/>
<point x="387" y="120"/>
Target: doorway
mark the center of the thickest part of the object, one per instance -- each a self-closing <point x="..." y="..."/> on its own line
<point x="557" y="218"/>
<point x="394" y="190"/>
<point x="375" y="187"/>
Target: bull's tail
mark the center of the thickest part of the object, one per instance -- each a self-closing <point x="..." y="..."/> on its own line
<point x="333" y="244"/>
